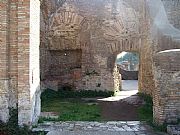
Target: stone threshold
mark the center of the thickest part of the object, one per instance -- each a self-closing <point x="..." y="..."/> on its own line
<point x="133" y="126"/>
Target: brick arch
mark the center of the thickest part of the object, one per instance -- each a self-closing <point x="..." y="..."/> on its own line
<point x="65" y="27"/>
<point x="66" y="19"/>
<point x="125" y="44"/>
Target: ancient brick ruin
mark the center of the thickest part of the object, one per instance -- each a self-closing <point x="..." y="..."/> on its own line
<point x="46" y="44"/>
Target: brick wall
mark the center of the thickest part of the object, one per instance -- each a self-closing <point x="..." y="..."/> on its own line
<point x="13" y="51"/>
<point x="165" y="67"/>
<point x="28" y="60"/>
<point x="91" y="30"/>
<point x="4" y="76"/>
<point x="166" y="94"/>
<point x="23" y="62"/>
<point x="73" y="28"/>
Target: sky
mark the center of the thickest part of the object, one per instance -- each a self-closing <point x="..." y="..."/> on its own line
<point x="121" y="55"/>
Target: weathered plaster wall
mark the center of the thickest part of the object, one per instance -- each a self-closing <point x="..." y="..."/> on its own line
<point x="34" y="73"/>
<point x="172" y="8"/>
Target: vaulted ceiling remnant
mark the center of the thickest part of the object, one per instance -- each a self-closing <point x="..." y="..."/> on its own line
<point x="115" y="19"/>
<point x="66" y="22"/>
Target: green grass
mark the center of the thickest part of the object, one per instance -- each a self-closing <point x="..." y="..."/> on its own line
<point x="145" y="113"/>
<point x="69" y="93"/>
<point x="12" y="127"/>
<point x="71" y="110"/>
<point x="68" y="104"/>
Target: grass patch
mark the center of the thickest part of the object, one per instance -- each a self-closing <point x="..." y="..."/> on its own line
<point x="69" y="93"/>
<point x="145" y="113"/>
<point x="69" y="106"/>
<point x="71" y="110"/>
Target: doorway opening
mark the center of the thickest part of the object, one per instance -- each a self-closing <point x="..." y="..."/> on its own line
<point x="128" y="66"/>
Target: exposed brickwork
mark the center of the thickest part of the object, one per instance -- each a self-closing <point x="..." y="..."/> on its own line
<point x="72" y="27"/>
<point x="79" y="44"/>
<point x="4" y="80"/>
<point x="23" y="61"/>
<point x="13" y="51"/>
<point x="15" y="59"/>
<point x="167" y="86"/>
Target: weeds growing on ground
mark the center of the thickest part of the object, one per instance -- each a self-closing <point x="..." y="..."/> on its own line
<point x="71" y="110"/>
<point x="146" y="113"/>
<point x="69" y="105"/>
<point x="12" y="127"/>
<point x="69" y="93"/>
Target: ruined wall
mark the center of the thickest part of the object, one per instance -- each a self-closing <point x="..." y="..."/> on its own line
<point x="166" y="68"/>
<point x="128" y="75"/>
<point x="79" y="44"/>
<point x="19" y="58"/>
<point x="101" y="31"/>
<point x="172" y="8"/>
<point x="146" y="76"/>
<point x="4" y="95"/>
<point x="28" y="60"/>
<point x="47" y="8"/>
<point x="8" y="59"/>
<point x="167" y="86"/>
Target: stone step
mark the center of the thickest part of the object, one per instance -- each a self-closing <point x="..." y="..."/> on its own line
<point x="56" y="132"/>
<point x="116" y="126"/>
<point x="173" y="129"/>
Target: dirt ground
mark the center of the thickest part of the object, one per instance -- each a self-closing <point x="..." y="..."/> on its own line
<point x="118" y="110"/>
<point x="121" y="110"/>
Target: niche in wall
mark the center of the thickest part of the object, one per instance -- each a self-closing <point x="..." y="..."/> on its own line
<point x="64" y="61"/>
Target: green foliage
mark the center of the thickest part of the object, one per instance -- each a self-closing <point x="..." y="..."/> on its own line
<point x="71" y="110"/>
<point x="129" y="56"/>
<point x="178" y="122"/>
<point x="69" y="93"/>
<point x="69" y="105"/>
<point x="146" y="113"/>
<point x="42" y="119"/>
<point x="12" y="127"/>
<point x="133" y="58"/>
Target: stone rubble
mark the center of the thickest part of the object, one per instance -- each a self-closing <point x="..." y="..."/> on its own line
<point x="173" y="129"/>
